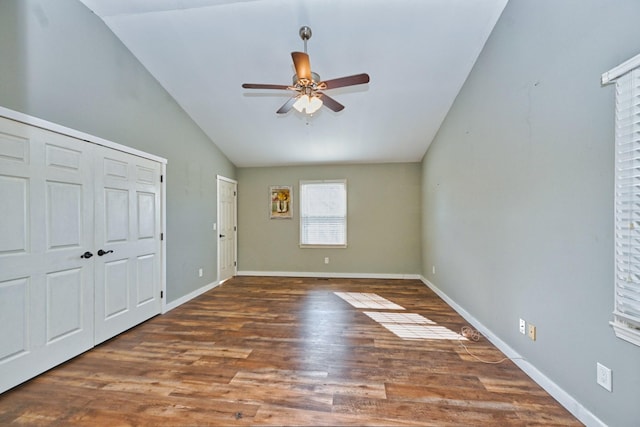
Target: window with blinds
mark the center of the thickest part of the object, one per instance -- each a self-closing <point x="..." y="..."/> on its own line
<point x="323" y="213"/>
<point x="626" y="315"/>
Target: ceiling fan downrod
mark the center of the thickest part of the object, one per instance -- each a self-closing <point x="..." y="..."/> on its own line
<point x="305" y="34"/>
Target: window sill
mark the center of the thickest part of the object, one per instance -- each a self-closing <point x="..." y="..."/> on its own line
<point x="322" y="246"/>
<point x="626" y="333"/>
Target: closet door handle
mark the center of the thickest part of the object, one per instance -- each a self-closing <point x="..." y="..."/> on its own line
<point x="86" y="255"/>
<point x="222" y="235"/>
<point x="101" y="252"/>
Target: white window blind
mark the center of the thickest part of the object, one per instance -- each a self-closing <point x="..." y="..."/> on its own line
<point x="626" y="322"/>
<point x="323" y="213"/>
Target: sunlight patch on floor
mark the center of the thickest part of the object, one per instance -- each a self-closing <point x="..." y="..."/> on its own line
<point x="401" y="318"/>
<point x="410" y="326"/>
<point x="413" y="326"/>
<point x="368" y="300"/>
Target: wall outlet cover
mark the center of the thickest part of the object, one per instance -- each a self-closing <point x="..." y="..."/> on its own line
<point x="603" y="376"/>
<point x="523" y="327"/>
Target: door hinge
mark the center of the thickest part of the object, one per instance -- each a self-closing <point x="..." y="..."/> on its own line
<point x="234" y="193"/>
<point x="235" y="264"/>
<point x="234" y="228"/>
<point x="161" y="294"/>
<point x="161" y="178"/>
<point x="161" y="236"/>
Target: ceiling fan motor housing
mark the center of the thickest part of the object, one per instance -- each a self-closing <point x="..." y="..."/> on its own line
<point x="315" y="78"/>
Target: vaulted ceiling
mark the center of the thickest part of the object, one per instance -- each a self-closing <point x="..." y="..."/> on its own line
<point x="417" y="53"/>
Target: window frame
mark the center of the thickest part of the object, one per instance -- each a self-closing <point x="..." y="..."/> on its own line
<point x="301" y="211"/>
<point x="626" y="317"/>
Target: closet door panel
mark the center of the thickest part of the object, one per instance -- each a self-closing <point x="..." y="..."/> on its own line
<point x="46" y="288"/>
<point x="128" y="275"/>
<point x="67" y="289"/>
<point x="14" y="225"/>
<point x="14" y="312"/>
<point x="116" y="288"/>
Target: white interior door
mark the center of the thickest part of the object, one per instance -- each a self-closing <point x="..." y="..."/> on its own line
<point x="227" y="228"/>
<point x="46" y="284"/>
<point x="128" y="261"/>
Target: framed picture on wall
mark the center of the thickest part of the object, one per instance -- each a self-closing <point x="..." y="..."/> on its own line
<point x="281" y="202"/>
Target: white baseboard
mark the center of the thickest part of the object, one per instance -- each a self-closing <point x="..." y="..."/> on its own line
<point x="329" y="275"/>
<point x="565" y="399"/>
<point x="175" y="303"/>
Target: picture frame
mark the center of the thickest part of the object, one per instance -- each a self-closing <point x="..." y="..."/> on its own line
<point x="280" y="202"/>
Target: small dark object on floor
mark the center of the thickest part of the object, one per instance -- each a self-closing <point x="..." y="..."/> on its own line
<point x="238" y="415"/>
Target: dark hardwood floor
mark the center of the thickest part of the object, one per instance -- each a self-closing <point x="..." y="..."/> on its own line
<point x="288" y="351"/>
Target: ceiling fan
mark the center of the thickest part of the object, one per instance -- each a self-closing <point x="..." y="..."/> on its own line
<point x="310" y="96"/>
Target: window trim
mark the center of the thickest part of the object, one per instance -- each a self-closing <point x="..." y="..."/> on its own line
<point x="626" y="76"/>
<point x="300" y="210"/>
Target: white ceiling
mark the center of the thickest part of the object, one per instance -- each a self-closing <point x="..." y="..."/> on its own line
<point x="418" y="54"/>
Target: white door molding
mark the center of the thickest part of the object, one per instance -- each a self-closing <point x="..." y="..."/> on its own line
<point x="227" y="191"/>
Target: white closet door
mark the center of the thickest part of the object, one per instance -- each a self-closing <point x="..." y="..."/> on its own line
<point x="128" y="275"/>
<point x="46" y="225"/>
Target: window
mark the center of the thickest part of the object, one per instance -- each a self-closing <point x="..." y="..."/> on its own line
<point x="323" y="213"/>
<point x="626" y="314"/>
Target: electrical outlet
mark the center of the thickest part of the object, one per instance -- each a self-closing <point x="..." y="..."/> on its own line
<point x="531" y="332"/>
<point x="200" y="272"/>
<point x="603" y="376"/>
<point x="326" y="260"/>
<point x="433" y="269"/>
<point x="523" y="327"/>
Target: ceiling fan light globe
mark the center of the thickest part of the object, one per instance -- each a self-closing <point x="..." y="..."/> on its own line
<point x="301" y="103"/>
<point x="314" y="104"/>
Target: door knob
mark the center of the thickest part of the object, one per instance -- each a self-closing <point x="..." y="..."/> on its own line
<point x="101" y="252"/>
<point x="222" y="235"/>
<point x="86" y="255"/>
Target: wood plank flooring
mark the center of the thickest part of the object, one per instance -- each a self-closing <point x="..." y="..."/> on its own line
<point x="287" y="351"/>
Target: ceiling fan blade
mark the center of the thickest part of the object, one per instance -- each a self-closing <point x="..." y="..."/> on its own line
<point x="287" y="105"/>
<point x="263" y="86"/>
<point x="303" y="67"/>
<point x="330" y="103"/>
<point x="356" y="79"/>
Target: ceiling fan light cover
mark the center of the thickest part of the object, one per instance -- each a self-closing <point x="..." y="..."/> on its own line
<point x="314" y="104"/>
<point x="308" y="104"/>
<point x="301" y="103"/>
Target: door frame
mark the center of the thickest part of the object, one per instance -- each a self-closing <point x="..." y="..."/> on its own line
<point x="163" y="236"/>
<point x="220" y="178"/>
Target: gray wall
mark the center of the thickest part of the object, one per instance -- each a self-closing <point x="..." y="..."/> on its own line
<point x="59" y="62"/>
<point x="518" y="194"/>
<point x="383" y="216"/>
